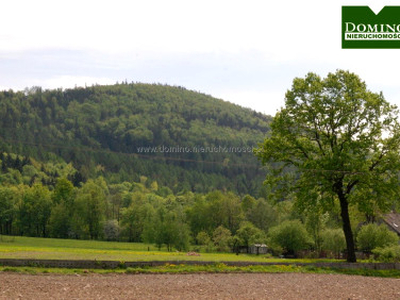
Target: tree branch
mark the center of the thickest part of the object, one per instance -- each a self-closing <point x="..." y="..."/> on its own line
<point x="351" y="185"/>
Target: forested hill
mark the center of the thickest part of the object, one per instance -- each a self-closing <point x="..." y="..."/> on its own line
<point x="191" y="141"/>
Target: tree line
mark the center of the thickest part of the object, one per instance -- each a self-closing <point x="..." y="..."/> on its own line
<point x="145" y="211"/>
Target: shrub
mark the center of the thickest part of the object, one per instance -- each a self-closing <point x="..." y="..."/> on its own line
<point x="333" y="241"/>
<point x="111" y="230"/>
<point x="222" y="239"/>
<point x="372" y="236"/>
<point x="203" y="239"/>
<point x="288" y="237"/>
<point x="387" y="254"/>
<point x="248" y="234"/>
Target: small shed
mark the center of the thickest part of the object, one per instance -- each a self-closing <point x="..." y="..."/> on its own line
<point x="252" y="249"/>
<point x="258" y="249"/>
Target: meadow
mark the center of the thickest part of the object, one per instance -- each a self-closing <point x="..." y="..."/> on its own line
<point x="66" y="249"/>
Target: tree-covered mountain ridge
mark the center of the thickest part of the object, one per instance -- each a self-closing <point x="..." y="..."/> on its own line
<point x="183" y="139"/>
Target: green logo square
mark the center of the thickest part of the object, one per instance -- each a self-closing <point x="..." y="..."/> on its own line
<point x="363" y="29"/>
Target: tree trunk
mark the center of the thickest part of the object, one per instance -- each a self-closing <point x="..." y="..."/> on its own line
<point x="348" y="233"/>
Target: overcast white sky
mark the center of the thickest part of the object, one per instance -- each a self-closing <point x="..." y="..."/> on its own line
<point x="245" y="52"/>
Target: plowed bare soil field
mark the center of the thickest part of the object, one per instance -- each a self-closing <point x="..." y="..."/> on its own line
<point x="197" y="286"/>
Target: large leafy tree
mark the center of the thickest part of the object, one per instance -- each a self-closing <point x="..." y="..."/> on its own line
<point x="35" y="211"/>
<point x="90" y="209"/>
<point x="335" y="141"/>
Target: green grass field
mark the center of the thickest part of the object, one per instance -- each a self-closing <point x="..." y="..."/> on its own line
<point x="44" y="248"/>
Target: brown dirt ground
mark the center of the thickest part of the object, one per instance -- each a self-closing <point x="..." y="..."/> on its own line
<point x="197" y="286"/>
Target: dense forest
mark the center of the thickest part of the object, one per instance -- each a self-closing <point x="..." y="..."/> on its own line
<point x="201" y="143"/>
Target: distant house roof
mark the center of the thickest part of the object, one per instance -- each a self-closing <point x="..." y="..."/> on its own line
<point x="393" y="221"/>
<point x="260" y="245"/>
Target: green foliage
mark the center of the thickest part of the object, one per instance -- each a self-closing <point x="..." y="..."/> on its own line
<point x="214" y="210"/>
<point x="63" y="192"/>
<point x="372" y="236"/>
<point x="203" y="238"/>
<point x="60" y="221"/>
<point x="224" y="209"/>
<point x="333" y="241"/>
<point x="288" y="237"/>
<point x="134" y="216"/>
<point x="34" y="211"/>
<point x="63" y="209"/>
<point x="104" y="125"/>
<point x="90" y="208"/>
<point x="222" y="239"/>
<point x="135" y="212"/>
<point x="334" y="139"/>
<point x="111" y="230"/>
<point x="390" y="254"/>
<point x="248" y="235"/>
<point x="9" y="197"/>
<point x="262" y="214"/>
<point x="248" y="202"/>
<point x="315" y="224"/>
<point x="168" y="228"/>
